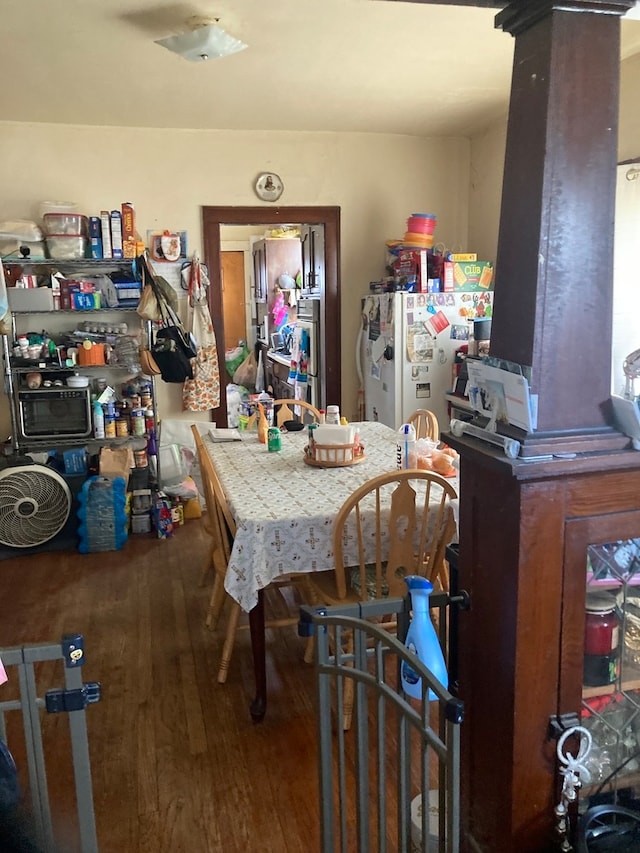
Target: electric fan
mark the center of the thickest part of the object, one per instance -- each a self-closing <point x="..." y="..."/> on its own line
<point x="35" y="503"/>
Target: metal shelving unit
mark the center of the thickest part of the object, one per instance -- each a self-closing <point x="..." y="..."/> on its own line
<point x="15" y="367"/>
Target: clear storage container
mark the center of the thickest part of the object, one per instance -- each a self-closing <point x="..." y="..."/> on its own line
<point x="62" y="247"/>
<point x="70" y="224"/>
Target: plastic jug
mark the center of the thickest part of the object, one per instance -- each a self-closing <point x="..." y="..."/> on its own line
<point x="422" y="640"/>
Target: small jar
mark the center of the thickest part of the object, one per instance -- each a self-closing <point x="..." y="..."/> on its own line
<point x="109" y="427"/>
<point x="601" y="640"/>
<point x="333" y="415"/>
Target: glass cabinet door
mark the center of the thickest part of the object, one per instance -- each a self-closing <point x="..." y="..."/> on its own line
<point x="611" y="674"/>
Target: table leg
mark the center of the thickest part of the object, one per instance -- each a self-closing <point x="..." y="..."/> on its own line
<point x="256" y="626"/>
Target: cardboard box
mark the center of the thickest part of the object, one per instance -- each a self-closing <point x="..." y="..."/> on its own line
<point x="116" y="234"/>
<point x="95" y="237"/>
<point x="105" y="223"/>
<point x="413" y="264"/>
<point x="75" y="461"/>
<point x="472" y="276"/>
<point x="462" y="257"/>
<point x="128" y="230"/>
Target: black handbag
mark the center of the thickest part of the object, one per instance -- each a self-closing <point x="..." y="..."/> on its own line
<point x="174" y="347"/>
<point x="173" y="363"/>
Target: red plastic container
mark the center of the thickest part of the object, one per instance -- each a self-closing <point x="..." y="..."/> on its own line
<point x="421" y="224"/>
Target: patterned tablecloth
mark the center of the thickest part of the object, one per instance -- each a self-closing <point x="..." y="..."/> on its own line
<point x="284" y="509"/>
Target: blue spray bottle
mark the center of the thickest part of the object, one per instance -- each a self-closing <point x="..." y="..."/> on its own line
<point x="422" y="640"/>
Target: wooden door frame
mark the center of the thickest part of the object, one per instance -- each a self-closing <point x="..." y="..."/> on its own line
<point x="214" y="217"/>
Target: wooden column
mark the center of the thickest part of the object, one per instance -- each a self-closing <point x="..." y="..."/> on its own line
<point x="520" y="644"/>
<point x="554" y="266"/>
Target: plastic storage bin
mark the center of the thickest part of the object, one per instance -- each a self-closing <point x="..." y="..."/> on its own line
<point x="71" y="224"/>
<point x="172" y="467"/>
<point x="62" y="247"/>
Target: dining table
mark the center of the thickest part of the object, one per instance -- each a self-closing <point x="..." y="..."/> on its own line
<point x="284" y="509"/>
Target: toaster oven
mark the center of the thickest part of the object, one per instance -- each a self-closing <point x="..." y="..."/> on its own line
<point x="56" y="412"/>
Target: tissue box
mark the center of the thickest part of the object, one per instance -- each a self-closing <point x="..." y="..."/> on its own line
<point x="333" y="444"/>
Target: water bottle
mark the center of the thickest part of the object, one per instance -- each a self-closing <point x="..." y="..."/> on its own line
<point x="422" y="640"/>
<point x="406" y="451"/>
<point x="98" y="420"/>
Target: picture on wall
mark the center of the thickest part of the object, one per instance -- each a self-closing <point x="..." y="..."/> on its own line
<point x="167" y="246"/>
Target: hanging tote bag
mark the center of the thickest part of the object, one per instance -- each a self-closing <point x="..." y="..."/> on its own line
<point x="202" y="392"/>
<point x="174" y="347"/>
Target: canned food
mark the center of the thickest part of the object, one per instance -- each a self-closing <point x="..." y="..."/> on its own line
<point x="140" y="458"/>
<point x="137" y="422"/>
<point x="274" y="440"/>
<point x="109" y="427"/>
<point x="122" y="427"/>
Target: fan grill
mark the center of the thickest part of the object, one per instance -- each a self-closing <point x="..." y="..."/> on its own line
<point x="34" y="505"/>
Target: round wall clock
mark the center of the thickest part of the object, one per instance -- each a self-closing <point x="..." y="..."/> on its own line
<point x="269" y="186"/>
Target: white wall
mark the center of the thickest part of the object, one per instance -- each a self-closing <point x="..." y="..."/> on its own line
<point x="487" y="162"/>
<point x="376" y="180"/>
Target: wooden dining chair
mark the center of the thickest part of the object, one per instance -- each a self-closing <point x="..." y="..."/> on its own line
<point x="395" y="524"/>
<point x="284" y="411"/>
<point x="426" y="424"/>
<point x="220" y="525"/>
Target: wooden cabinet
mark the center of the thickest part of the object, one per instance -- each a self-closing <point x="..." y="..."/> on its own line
<point x="271" y="259"/>
<point x="525" y="531"/>
<point x="259" y="272"/>
<point x="278" y="379"/>
<point x="313" y="260"/>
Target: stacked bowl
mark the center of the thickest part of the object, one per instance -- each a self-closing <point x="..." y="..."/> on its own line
<point x="419" y="233"/>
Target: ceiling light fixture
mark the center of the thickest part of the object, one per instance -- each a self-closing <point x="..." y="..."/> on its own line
<point x="204" y="40"/>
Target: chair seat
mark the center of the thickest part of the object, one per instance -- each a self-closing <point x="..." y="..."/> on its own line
<point x="325" y="589"/>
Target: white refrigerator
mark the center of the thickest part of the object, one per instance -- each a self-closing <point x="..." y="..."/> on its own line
<point x="406" y="350"/>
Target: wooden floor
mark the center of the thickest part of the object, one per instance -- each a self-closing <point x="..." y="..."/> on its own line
<point x="177" y="763"/>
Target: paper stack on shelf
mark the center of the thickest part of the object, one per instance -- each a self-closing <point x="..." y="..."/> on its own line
<point x="501" y="393"/>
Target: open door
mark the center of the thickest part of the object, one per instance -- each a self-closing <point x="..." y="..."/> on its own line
<point x="327" y="217"/>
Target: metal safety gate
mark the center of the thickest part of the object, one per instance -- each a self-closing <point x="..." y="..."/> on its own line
<point x="20" y="663"/>
<point x="390" y="783"/>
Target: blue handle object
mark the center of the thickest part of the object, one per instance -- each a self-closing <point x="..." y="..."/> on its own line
<point x="422" y="640"/>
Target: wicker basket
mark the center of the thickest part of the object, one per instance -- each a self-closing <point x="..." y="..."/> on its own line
<point x="333" y="455"/>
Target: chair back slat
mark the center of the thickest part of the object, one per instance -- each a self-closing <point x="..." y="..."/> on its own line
<point x="285" y="411"/>
<point x="425" y="423"/>
<point x="412" y="513"/>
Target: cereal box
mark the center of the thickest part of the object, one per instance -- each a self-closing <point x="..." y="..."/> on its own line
<point x="414" y="264"/>
<point x="128" y="230"/>
<point x="471" y="276"/>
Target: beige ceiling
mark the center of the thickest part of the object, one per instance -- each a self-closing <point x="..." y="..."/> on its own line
<point x="311" y="65"/>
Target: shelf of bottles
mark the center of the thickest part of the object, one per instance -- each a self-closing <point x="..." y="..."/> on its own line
<point x="611" y="676"/>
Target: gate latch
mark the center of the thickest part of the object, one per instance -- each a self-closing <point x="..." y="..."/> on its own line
<point x="58" y="701"/>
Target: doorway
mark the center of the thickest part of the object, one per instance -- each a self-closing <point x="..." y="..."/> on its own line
<point x="215" y="217"/>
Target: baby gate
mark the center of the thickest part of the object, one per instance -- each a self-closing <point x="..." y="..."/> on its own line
<point x="398" y="764"/>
